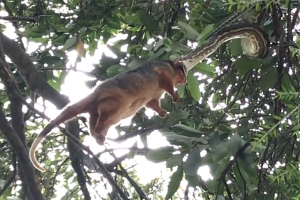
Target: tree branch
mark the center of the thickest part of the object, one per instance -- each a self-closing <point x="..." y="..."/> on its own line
<point x="139" y="132"/>
<point x="30" y="74"/>
<point x="230" y="164"/>
<point x="12" y="178"/>
<point x="18" y="19"/>
<point x="17" y="117"/>
<point x="38" y="84"/>
<point x="22" y="156"/>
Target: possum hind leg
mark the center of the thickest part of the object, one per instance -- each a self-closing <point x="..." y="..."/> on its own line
<point x="109" y="113"/>
<point x="92" y="122"/>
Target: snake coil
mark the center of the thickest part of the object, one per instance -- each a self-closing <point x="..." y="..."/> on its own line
<point x="254" y="43"/>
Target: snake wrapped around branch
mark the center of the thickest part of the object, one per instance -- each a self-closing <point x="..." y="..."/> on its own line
<point x="254" y="41"/>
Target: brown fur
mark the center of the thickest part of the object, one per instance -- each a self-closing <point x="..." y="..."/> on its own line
<point x="121" y="97"/>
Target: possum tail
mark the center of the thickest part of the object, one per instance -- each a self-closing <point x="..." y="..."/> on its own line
<point x="68" y="113"/>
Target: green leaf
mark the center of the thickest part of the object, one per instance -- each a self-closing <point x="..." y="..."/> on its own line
<point x="29" y="33"/>
<point x="41" y="40"/>
<point x="70" y="43"/>
<point x="188" y="30"/>
<point x="212" y="185"/>
<point x="158" y="44"/>
<point x="179" y="47"/>
<point x="82" y="31"/>
<point x="181" y="90"/>
<point x="187" y="131"/>
<point x="113" y="24"/>
<point x="132" y="153"/>
<point x="59" y="53"/>
<point x="214" y="141"/>
<point x="234" y="143"/>
<point x="220" y="197"/>
<point x="286" y="82"/>
<point x="92" y="47"/>
<point x="192" y="180"/>
<point x="245" y="64"/>
<point x="220" y="152"/>
<point x="50" y="60"/>
<point x="156" y="55"/>
<point x="53" y="84"/>
<point x="237" y="175"/>
<point x="115" y="70"/>
<point x="247" y="167"/>
<point x="193" y="86"/>
<point x="68" y="175"/>
<point x="174" y="182"/>
<point x="135" y="63"/>
<point x="160" y="154"/>
<point x="205" y="32"/>
<point x="174" y="160"/>
<point x="148" y="21"/>
<point x="178" y="114"/>
<point x="176" y="139"/>
<point x="235" y="47"/>
<point x="268" y="80"/>
<point x="192" y="163"/>
<point x="204" y="68"/>
<point x="131" y="18"/>
<point x="106" y="36"/>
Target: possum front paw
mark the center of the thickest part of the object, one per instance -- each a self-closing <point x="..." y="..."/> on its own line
<point x="175" y="97"/>
<point x="100" y="139"/>
<point x="162" y="113"/>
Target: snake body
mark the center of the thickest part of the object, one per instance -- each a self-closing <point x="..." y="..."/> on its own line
<point x="254" y="43"/>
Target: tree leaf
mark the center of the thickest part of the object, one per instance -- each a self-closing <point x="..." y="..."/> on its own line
<point x="192" y="180"/>
<point x="181" y="90"/>
<point x="186" y="131"/>
<point x="235" y="47"/>
<point x="245" y="64"/>
<point x="178" y="114"/>
<point x="160" y="154"/>
<point x="205" y="32"/>
<point x="204" y="68"/>
<point x="29" y="33"/>
<point x="70" y="43"/>
<point x="193" y="86"/>
<point x="174" y="160"/>
<point x="174" y="182"/>
<point x="115" y="70"/>
<point x="148" y="21"/>
<point x="188" y="30"/>
<point x="135" y="63"/>
<point x="268" y="80"/>
<point x="53" y="84"/>
<point x="220" y="152"/>
<point x="176" y="139"/>
<point x="132" y="153"/>
<point x="214" y="141"/>
<point x="220" y="197"/>
<point x="59" y="53"/>
<point x="59" y="40"/>
<point x="192" y="163"/>
<point x="234" y="143"/>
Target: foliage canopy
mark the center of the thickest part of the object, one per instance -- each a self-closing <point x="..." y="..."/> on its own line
<point x="237" y="115"/>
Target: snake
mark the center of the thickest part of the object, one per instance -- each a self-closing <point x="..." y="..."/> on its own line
<point x="254" y="42"/>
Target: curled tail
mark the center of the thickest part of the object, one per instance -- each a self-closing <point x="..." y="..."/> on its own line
<point x="68" y="113"/>
<point x="36" y="142"/>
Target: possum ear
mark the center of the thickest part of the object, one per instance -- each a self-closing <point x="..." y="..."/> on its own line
<point x="180" y="65"/>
